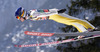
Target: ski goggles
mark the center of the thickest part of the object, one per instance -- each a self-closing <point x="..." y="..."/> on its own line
<point x="18" y="17"/>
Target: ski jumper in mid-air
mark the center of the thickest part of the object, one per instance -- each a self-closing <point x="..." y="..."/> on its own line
<point x="53" y="14"/>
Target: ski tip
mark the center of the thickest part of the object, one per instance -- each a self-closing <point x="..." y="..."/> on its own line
<point x="26" y="31"/>
<point x="17" y="45"/>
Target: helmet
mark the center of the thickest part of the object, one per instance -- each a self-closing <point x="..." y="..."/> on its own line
<point x="20" y="12"/>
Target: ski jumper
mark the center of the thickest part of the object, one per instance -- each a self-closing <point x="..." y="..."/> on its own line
<point x="80" y="25"/>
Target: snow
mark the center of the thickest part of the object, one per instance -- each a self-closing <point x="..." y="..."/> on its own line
<point x="12" y="30"/>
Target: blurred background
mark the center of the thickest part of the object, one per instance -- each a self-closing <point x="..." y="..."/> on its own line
<point x="12" y="30"/>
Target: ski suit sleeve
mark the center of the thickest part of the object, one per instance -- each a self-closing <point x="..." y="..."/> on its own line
<point x="50" y="12"/>
<point x="39" y="13"/>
